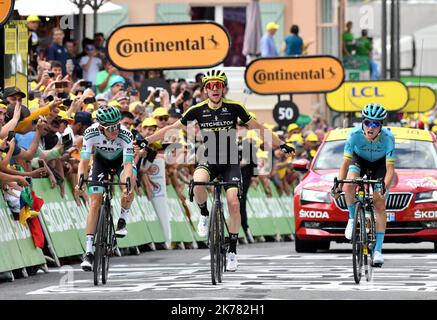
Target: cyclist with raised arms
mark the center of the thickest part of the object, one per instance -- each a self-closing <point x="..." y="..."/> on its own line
<point x="113" y="149"/>
<point x="369" y="148"/>
<point x="217" y="116"/>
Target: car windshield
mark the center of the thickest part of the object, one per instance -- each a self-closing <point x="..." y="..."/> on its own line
<point x="410" y="154"/>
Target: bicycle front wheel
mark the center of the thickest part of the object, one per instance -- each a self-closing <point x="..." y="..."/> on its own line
<point x="358" y="242"/>
<point x="99" y="239"/>
<point x="214" y="244"/>
<point x="107" y="246"/>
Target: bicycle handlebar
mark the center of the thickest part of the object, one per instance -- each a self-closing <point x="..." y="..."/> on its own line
<point x="106" y="183"/>
<point x="212" y="183"/>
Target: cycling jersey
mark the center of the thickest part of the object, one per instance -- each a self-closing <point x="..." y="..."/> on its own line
<point x="383" y="146"/>
<point x="120" y="147"/>
<point x="218" y="121"/>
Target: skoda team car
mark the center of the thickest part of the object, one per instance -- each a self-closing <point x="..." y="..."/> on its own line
<point x="411" y="205"/>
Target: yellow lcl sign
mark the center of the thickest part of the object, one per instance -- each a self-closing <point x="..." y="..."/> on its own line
<point x="354" y="95"/>
<point x="422" y="99"/>
<point x="181" y="45"/>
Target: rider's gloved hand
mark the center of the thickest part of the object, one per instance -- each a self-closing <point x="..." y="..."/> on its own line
<point x="286" y="148"/>
<point x="336" y="192"/>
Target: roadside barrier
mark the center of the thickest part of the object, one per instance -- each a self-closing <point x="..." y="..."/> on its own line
<point x="63" y="223"/>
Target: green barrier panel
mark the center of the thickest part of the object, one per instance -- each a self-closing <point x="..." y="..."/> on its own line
<point x="138" y="233"/>
<point x="252" y="220"/>
<point x="257" y="200"/>
<point x="32" y="256"/>
<point x="153" y="224"/>
<point x="280" y="220"/>
<point x="180" y="227"/>
<point x="10" y="254"/>
<point x="288" y="204"/>
<point x="195" y="216"/>
<point x="58" y="220"/>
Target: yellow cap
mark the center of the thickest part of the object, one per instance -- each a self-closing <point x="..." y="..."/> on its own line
<point x="253" y="115"/>
<point x="63" y="115"/>
<point x="272" y="26"/>
<point x="33" y="19"/>
<point x="89" y="107"/>
<point x="292" y="126"/>
<point x="133" y="106"/>
<point x="312" y="137"/>
<point x="149" y="122"/>
<point x="159" y="112"/>
<point x="295" y="138"/>
<point x="312" y="153"/>
<point x="3" y="106"/>
<point x="114" y="103"/>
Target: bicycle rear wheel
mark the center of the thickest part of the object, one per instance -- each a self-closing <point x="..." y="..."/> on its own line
<point x="107" y="246"/>
<point x="357" y="242"/>
<point x="214" y="244"/>
<point x="99" y="239"/>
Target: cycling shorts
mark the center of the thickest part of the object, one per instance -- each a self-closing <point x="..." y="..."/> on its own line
<point x="229" y="172"/>
<point x="375" y="170"/>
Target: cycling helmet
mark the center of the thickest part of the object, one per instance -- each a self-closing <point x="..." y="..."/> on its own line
<point x="107" y="115"/>
<point x="215" y="75"/>
<point x="374" y="112"/>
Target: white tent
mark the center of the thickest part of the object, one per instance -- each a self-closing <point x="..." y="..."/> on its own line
<point x="57" y="8"/>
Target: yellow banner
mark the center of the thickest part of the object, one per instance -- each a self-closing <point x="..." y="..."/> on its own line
<point x="23" y="37"/>
<point x="181" y="45"/>
<point x="398" y="133"/>
<point x="10" y="40"/>
<point x="307" y="74"/>
<point x="354" y="95"/>
<point x="422" y="99"/>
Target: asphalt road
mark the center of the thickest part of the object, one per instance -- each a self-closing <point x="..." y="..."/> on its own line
<point x="270" y="270"/>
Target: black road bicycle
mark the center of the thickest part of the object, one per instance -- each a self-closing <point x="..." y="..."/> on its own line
<point x="218" y="245"/>
<point x="364" y="232"/>
<point x="104" y="237"/>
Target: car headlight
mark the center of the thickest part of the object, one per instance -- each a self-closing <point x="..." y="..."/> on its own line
<point x="314" y="196"/>
<point x="428" y="196"/>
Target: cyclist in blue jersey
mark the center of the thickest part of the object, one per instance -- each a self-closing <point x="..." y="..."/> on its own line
<point x="369" y="148"/>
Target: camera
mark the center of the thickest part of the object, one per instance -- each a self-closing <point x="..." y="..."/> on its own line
<point x="157" y="92"/>
<point x="89" y="100"/>
<point x="61" y="85"/>
<point x="186" y="96"/>
<point x="51" y="74"/>
<point x="86" y="84"/>
<point x="49" y="98"/>
<point x="134" y="92"/>
<point x="67" y="102"/>
<point x="141" y="143"/>
<point x="67" y="141"/>
<point x="62" y="95"/>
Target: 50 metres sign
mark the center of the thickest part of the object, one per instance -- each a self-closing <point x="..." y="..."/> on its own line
<point x="6" y="9"/>
<point x="200" y="44"/>
<point x="307" y="74"/>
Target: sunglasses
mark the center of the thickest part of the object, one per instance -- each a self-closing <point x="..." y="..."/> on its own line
<point x="373" y="124"/>
<point x="163" y="118"/>
<point x="112" y="128"/>
<point x="218" y="84"/>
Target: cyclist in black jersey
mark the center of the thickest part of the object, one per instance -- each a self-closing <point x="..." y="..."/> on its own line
<point x="217" y="117"/>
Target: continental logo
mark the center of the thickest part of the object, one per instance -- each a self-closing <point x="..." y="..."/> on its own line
<point x="171" y="45"/>
<point x="310" y="74"/>
<point x="6" y="9"/>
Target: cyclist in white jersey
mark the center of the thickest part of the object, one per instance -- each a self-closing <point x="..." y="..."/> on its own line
<point x="112" y="147"/>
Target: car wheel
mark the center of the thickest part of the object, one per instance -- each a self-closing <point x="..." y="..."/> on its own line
<point x="304" y="246"/>
<point x="324" y="245"/>
<point x="435" y="246"/>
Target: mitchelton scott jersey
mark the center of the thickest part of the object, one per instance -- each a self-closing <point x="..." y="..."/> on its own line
<point x="218" y="121"/>
<point x="122" y="146"/>
<point x="383" y="146"/>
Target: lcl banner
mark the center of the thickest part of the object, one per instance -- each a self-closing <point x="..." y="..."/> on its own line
<point x="307" y="74"/>
<point x="190" y="45"/>
<point x="6" y="9"/>
<point x="422" y="99"/>
<point x="354" y="95"/>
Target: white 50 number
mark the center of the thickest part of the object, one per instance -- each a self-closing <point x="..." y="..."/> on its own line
<point x="285" y="113"/>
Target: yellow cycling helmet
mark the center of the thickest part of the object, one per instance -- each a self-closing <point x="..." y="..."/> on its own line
<point x="214" y="75"/>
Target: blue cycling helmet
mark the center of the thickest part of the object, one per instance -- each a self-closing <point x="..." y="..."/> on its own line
<point x="374" y="111"/>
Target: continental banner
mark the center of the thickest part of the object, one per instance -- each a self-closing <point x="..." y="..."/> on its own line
<point x="180" y="45"/>
<point x="287" y="203"/>
<point x="153" y="224"/>
<point x="195" y="216"/>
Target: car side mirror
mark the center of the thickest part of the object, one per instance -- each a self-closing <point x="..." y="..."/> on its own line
<point x="301" y="165"/>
